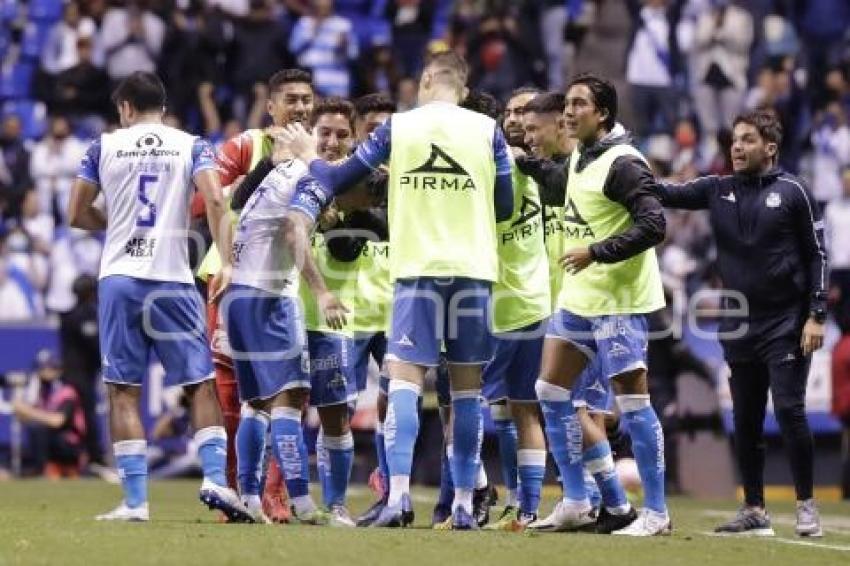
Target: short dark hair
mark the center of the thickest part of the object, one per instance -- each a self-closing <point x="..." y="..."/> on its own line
<point x="524" y="90"/>
<point x="289" y="76"/>
<point x="483" y="103"/>
<point x="142" y="90"/>
<point x="546" y="103"/>
<point x="333" y="105"/>
<point x="449" y="64"/>
<point x="604" y="95"/>
<point x="765" y="122"/>
<point x="375" y="102"/>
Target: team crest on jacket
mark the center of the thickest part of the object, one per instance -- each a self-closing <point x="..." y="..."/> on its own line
<point x="773" y="200"/>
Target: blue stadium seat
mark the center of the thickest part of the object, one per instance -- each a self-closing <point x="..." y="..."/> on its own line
<point x="8" y="10"/>
<point x="45" y="10"/>
<point x="16" y="80"/>
<point x="33" y="116"/>
<point x="34" y="39"/>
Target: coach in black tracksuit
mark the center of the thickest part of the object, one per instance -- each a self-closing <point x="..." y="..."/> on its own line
<point x="771" y="254"/>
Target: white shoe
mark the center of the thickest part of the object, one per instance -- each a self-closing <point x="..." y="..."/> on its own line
<point x="138" y="514"/>
<point x="808" y="520"/>
<point x="225" y="500"/>
<point x="254" y="505"/>
<point x="648" y="524"/>
<point x="340" y="517"/>
<point x="567" y="516"/>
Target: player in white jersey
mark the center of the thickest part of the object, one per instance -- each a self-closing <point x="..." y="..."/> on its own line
<point x="147" y="173"/>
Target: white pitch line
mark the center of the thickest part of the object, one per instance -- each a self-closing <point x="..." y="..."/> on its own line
<point x="838" y="547"/>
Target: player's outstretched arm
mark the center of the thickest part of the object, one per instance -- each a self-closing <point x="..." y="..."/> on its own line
<point x="296" y="229"/>
<point x="82" y="213"/>
<point x="207" y="183"/>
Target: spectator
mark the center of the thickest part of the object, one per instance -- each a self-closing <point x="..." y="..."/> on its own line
<point x="258" y="50"/>
<point x="831" y="152"/>
<point x="837" y="220"/>
<point x="498" y="59"/>
<point x="14" y="165"/>
<point x="55" y="162"/>
<point x="406" y="94"/>
<point x="38" y="224"/>
<point x="17" y="302"/>
<point x="132" y="39"/>
<point x="60" y="51"/>
<point x="413" y="23"/>
<point x="841" y="405"/>
<point x="74" y="253"/>
<point x="82" y="91"/>
<point x="325" y="43"/>
<point x="25" y="262"/>
<point x="721" y="55"/>
<point x="822" y="24"/>
<point x="652" y="63"/>
<point x="379" y="71"/>
<point x="55" y="423"/>
<point x="78" y="332"/>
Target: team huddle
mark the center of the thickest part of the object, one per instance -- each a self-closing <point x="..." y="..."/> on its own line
<point x="514" y="257"/>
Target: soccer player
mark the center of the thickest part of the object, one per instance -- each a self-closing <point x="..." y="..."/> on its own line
<point x="291" y="100"/>
<point x="449" y="182"/>
<point x="147" y="172"/>
<point x="612" y="221"/>
<point x="772" y="259"/>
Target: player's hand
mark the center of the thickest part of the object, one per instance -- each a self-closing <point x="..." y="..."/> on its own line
<point x="220" y="282"/>
<point x="302" y="143"/>
<point x="517" y="152"/>
<point x="333" y="310"/>
<point x="576" y="260"/>
<point x="812" y="338"/>
<point x="281" y="150"/>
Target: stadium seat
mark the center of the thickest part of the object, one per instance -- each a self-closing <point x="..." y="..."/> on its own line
<point x="8" y="10"/>
<point x="34" y="39"/>
<point x="16" y="80"/>
<point x="33" y="116"/>
<point x="45" y="10"/>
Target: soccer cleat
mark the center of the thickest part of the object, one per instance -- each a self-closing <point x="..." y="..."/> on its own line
<point x="371" y="513"/>
<point x="340" y="517"/>
<point x="649" y="523"/>
<point x="315" y="517"/>
<point x="565" y="517"/>
<point x="395" y="516"/>
<point x="512" y="520"/>
<point x="138" y="514"/>
<point x="225" y="500"/>
<point x="482" y="500"/>
<point x="275" y="509"/>
<point x="462" y="520"/>
<point x="255" y="508"/>
<point x="750" y="521"/>
<point x="808" y="520"/>
<point x="440" y="514"/>
<point x="607" y="522"/>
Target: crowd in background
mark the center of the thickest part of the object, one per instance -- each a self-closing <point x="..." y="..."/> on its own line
<point x="688" y="67"/>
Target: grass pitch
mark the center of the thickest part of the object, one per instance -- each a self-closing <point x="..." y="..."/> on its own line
<point x="51" y="523"/>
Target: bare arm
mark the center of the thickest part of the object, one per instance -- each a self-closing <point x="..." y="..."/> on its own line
<point x="218" y="219"/>
<point x="81" y="210"/>
<point x="30" y="414"/>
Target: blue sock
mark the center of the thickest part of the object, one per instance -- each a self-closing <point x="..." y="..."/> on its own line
<point x="507" y="435"/>
<point x="340" y="458"/>
<point x="322" y="466"/>
<point x="532" y="470"/>
<point x="564" y="434"/>
<point x="648" y="446"/>
<point x="600" y="464"/>
<point x="290" y="450"/>
<point x="250" y="450"/>
<point x="447" y="486"/>
<point x="466" y="438"/>
<point x="401" y="428"/>
<point x="592" y="490"/>
<point x="381" y="451"/>
<point x="212" y="451"/>
<point x="131" y="461"/>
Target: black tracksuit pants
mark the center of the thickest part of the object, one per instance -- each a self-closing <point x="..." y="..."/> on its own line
<point x="768" y="358"/>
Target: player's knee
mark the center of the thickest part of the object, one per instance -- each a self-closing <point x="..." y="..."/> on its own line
<point x="549" y="392"/>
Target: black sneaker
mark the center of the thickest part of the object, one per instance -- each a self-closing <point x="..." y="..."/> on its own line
<point x="482" y="500"/>
<point x="372" y="513"/>
<point x="440" y="514"/>
<point x="750" y="521"/>
<point x="607" y="522"/>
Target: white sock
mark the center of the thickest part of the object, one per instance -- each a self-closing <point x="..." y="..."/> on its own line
<point x="463" y="498"/>
<point x="399" y="485"/>
<point x="511" y="498"/>
<point x="252" y="501"/>
<point x="577" y="505"/>
<point x="481" y="480"/>
<point x="303" y="504"/>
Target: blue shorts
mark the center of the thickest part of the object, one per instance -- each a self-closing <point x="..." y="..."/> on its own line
<point x="618" y="342"/>
<point x="429" y="311"/>
<point x="137" y="316"/>
<point x="332" y="376"/>
<point x="363" y="345"/>
<point x="515" y="366"/>
<point x="592" y="390"/>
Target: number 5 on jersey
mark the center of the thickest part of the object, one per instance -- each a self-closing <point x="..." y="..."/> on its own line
<point x="147" y="215"/>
